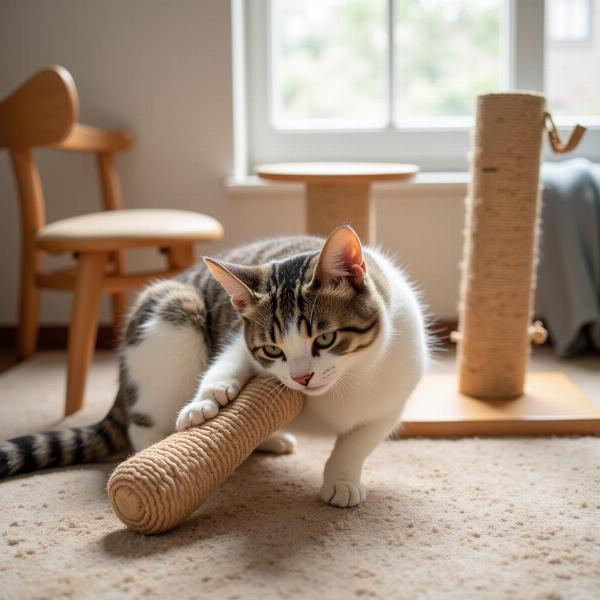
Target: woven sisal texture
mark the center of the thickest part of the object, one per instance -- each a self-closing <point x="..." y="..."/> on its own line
<point x="159" y="487"/>
<point x="327" y="206"/>
<point x="500" y="251"/>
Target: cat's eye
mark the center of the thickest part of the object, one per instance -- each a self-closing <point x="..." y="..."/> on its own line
<point x="325" y="340"/>
<point x="273" y="351"/>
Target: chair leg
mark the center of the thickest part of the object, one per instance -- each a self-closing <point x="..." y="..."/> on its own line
<point x="84" y="326"/>
<point x="181" y="257"/>
<point x="27" y="334"/>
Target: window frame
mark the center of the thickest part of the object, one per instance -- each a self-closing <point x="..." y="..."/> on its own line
<point x="439" y="146"/>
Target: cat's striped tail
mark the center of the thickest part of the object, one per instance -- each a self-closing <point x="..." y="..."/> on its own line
<point x="78" y="445"/>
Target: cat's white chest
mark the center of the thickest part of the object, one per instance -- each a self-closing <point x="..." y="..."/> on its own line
<point x="340" y="411"/>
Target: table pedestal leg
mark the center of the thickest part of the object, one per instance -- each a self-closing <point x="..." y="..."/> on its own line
<point x="330" y="205"/>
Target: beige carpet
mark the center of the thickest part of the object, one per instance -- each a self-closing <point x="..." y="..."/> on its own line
<point x="512" y="518"/>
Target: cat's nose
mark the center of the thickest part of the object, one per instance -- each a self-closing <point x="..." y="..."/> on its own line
<point x="303" y="379"/>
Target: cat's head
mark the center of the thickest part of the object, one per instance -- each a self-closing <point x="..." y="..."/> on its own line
<point x="311" y="318"/>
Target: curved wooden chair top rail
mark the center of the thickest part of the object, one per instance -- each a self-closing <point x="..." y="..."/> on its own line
<point x="44" y="111"/>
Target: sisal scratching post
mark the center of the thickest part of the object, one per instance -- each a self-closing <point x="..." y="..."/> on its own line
<point x="159" y="487"/>
<point x="500" y="254"/>
<point x="493" y="394"/>
<point x="329" y="205"/>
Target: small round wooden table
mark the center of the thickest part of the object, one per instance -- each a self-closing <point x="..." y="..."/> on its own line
<point x="339" y="192"/>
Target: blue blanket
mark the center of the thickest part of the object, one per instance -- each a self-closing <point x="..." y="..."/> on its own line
<point x="568" y="289"/>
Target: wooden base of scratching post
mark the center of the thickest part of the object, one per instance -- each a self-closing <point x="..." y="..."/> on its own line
<point x="551" y="405"/>
<point x="492" y="393"/>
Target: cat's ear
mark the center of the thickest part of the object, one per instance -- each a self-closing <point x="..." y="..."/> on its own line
<point x="341" y="257"/>
<point x="237" y="281"/>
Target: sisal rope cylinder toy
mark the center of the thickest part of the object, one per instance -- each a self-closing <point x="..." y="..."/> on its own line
<point x="500" y="252"/>
<point x="157" y="488"/>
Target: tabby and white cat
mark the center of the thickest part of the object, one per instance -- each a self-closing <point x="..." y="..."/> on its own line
<point x="339" y="323"/>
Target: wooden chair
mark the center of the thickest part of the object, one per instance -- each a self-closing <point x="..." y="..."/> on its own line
<point x="43" y="113"/>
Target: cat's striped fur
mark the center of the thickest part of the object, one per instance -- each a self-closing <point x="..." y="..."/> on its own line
<point x="182" y="301"/>
<point x="93" y="443"/>
<point x="291" y="299"/>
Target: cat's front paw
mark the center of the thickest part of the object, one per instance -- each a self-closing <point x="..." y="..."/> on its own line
<point x="196" y="413"/>
<point x="206" y="404"/>
<point x="342" y="493"/>
<point x="222" y="392"/>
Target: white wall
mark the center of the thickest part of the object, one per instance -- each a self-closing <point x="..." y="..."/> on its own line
<point x="163" y="69"/>
<point x="420" y="224"/>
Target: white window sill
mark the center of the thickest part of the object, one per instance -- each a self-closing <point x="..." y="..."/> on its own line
<point x="426" y="183"/>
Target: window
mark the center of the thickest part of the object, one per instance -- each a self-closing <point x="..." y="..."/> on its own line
<point x="445" y="53"/>
<point x="572" y="57"/>
<point x="396" y="80"/>
<point x="373" y="63"/>
<point x="328" y="62"/>
<point x="569" y="20"/>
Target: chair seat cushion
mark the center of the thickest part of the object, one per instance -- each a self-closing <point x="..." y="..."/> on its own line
<point x="132" y="228"/>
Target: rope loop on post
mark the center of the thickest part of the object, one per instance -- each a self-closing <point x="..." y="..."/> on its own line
<point x="558" y="146"/>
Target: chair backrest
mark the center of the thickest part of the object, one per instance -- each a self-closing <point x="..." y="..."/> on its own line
<point x="42" y="111"/>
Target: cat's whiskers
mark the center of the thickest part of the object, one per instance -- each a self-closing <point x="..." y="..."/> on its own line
<point x="342" y="389"/>
<point x="349" y="380"/>
<point x="379" y="368"/>
<point x="350" y="377"/>
<point x="334" y="391"/>
<point x="351" y="390"/>
<point x="280" y="390"/>
<point x="347" y="389"/>
<point x="325" y="379"/>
